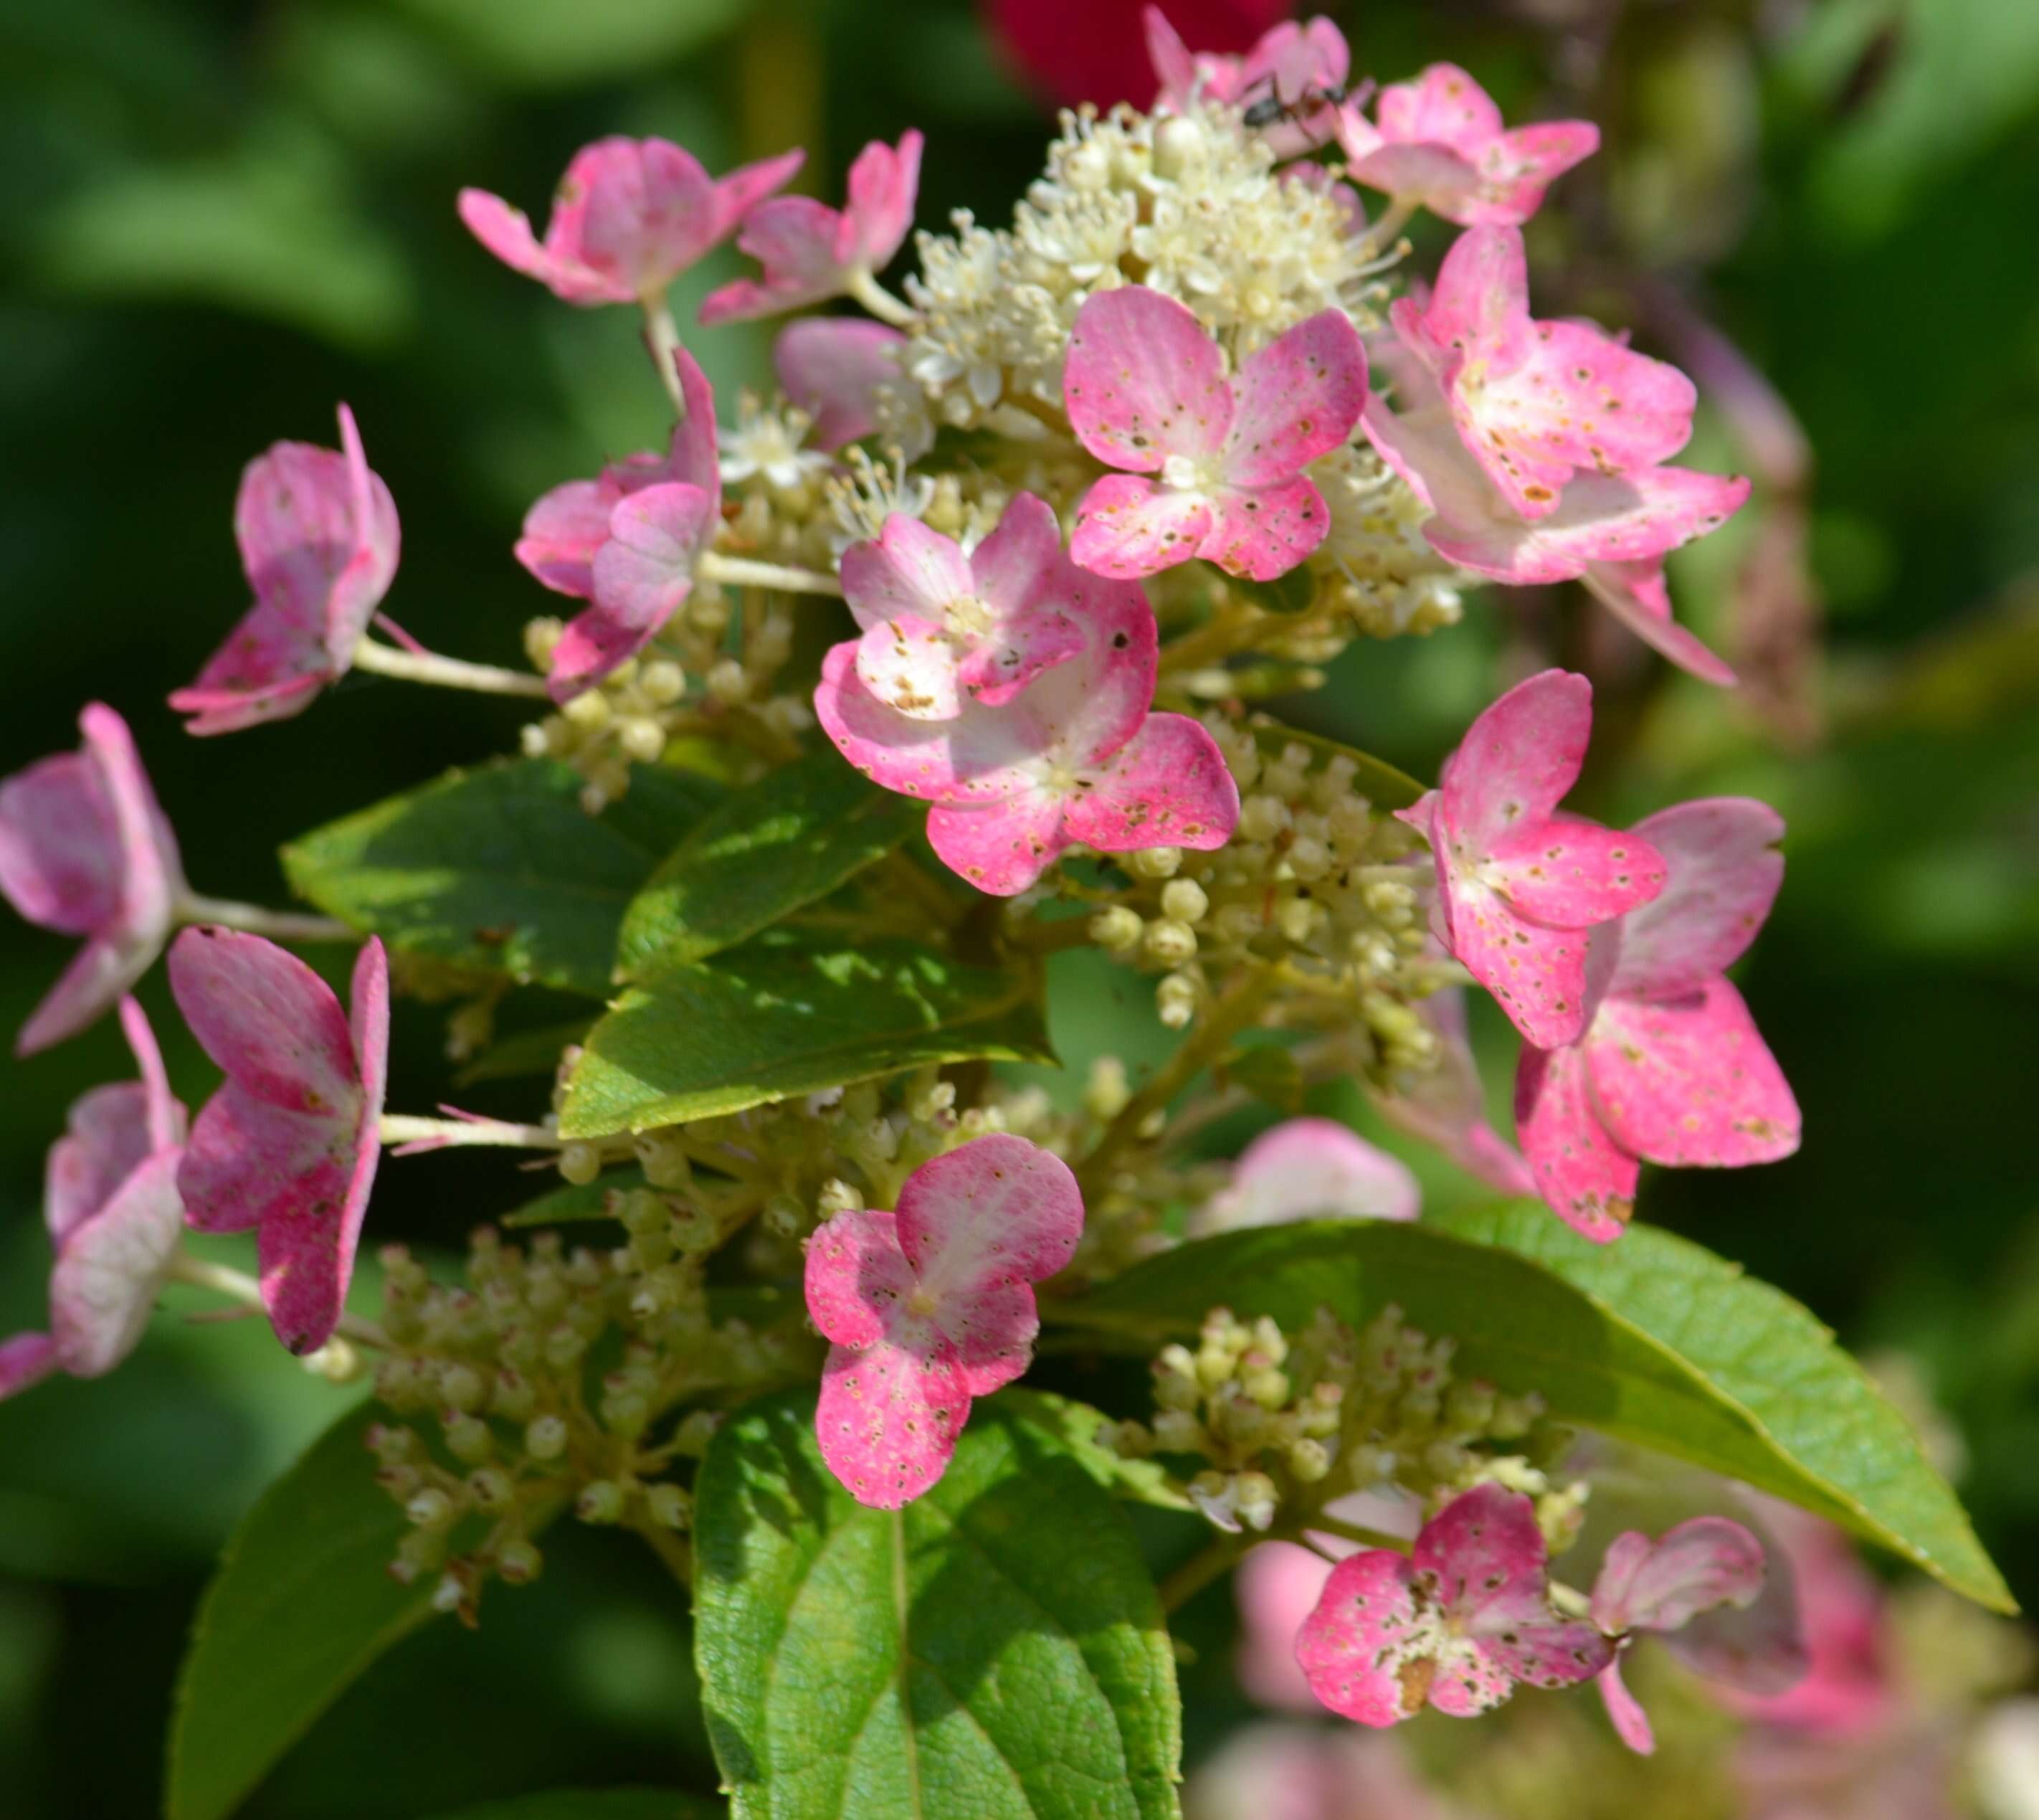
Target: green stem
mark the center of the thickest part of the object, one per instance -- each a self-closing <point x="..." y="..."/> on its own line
<point x="444" y="672"/>
<point x="677" y="1557"/>
<point x="1354" y="1533"/>
<point x="279" y="925"/>
<point x="1198" y="1571"/>
<point x="402" y="1128"/>
<point x="662" y="341"/>
<point x="879" y="300"/>
<point x="239" y="1286"/>
<point x="740" y="572"/>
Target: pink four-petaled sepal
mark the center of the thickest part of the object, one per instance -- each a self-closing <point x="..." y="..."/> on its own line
<point x="1536" y="402"/>
<point x="318" y="536"/>
<point x="1456" y="1624"/>
<point x="1518" y="883"/>
<point x="1698" y="1587"/>
<point x="1296" y="69"/>
<point x="1670" y="1068"/>
<point x="1074" y="756"/>
<point x="110" y="1202"/>
<point x="1312" y="1169"/>
<point x="1441" y="141"/>
<point x="941" y="628"/>
<point x="1213" y="465"/>
<point x="810" y="252"/>
<point x="628" y="542"/>
<point x="85" y="850"/>
<point x="290" y="1143"/>
<point x="1445" y="1106"/>
<point x="834" y="368"/>
<point x="629" y="216"/>
<point x="932" y="1305"/>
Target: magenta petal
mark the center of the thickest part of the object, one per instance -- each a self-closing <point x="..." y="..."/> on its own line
<point x="1516" y="167"/>
<point x="1127" y="527"/>
<point x="1634" y="593"/>
<point x="1169" y="786"/>
<point x="745" y="187"/>
<point x="855" y="1271"/>
<point x="108" y="1271"/>
<point x="1518" y="758"/>
<point x="908" y="665"/>
<point x="1690" y="1081"/>
<point x="1362" y="1650"/>
<point x="1601" y="518"/>
<point x="1025" y="647"/>
<point x="248" y="1158"/>
<point x="1021" y="560"/>
<point x="1443" y="181"/>
<point x="507" y="232"/>
<point x="1001" y="847"/>
<point x="1624" y="1711"/>
<point x="794" y="237"/>
<point x="641" y="575"/>
<point x="1587" y="1181"/>
<point x="306" y="1246"/>
<point x="1144" y="382"/>
<point x="105" y="1139"/>
<point x="1443" y="106"/>
<point x="1723" y="874"/>
<point x="1264" y="532"/>
<point x="562" y="530"/>
<point x="832" y="367"/>
<point x="268" y="1020"/>
<point x="59" y="848"/>
<point x="100" y="972"/>
<point x="997" y="1207"/>
<point x="26" y="1359"/>
<point x="1537" y="974"/>
<point x="1573" y="874"/>
<point x="1297" y="398"/>
<point x="888" y="1421"/>
<point x="882" y="185"/>
<point x="907" y="571"/>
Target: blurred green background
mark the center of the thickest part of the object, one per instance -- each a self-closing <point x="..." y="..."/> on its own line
<point x="218" y="219"/>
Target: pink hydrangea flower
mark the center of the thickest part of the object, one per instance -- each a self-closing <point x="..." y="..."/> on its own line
<point x="1536" y="402"/>
<point x="1610" y="530"/>
<point x="1458" y="1624"/>
<point x="1440" y="142"/>
<point x="290" y="1143"/>
<point x="1446" y="1107"/>
<point x="110" y="1201"/>
<point x="318" y="537"/>
<point x="1312" y="1169"/>
<point x="833" y="366"/>
<point x="932" y="1305"/>
<point x="940" y="628"/>
<point x="1518" y="883"/>
<point x="628" y="541"/>
<point x="1075" y="756"/>
<point x="1699" y="1586"/>
<point x="629" y="216"/>
<point x="84" y="849"/>
<point x="1146" y="392"/>
<point x="1290" y="1772"/>
<point x="1670" y="1068"/>
<point x="810" y="252"/>
<point x="1301" y="68"/>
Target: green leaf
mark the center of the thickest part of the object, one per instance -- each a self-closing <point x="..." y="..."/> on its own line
<point x="543" y="44"/>
<point x="301" y="1605"/>
<point x="1652" y="1339"/>
<point x="523" y="1052"/>
<point x="594" y="1804"/>
<point x="1376" y="779"/>
<point x="789" y="839"/>
<point x="576" y="1201"/>
<point x="996" y="1650"/>
<point x="1294" y="592"/>
<point x="1075" y="1425"/>
<point x="780" y="1016"/>
<point x="499" y="869"/>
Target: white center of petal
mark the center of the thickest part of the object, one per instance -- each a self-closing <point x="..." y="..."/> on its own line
<point x="1181" y="473"/>
<point x="921" y="1301"/>
<point x="967" y="618"/>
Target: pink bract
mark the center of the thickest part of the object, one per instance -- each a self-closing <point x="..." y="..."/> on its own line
<point x="110" y="1202"/>
<point x="1670" y="1068"/>
<point x="810" y="252"/>
<point x="1440" y="142"/>
<point x="318" y="537"/>
<point x="1074" y="50"/>
<point x="628" y="542"/>
<point x="1458" y="1624"/>
<point x="941" y="628"/>
<point x="1312" y="1169"/>
<point x="1534" y="402"/>
<point x="932" y="1305"/>
<point x="629" y="216"/>
<point x="1611" y="530"/>
<point x="1075" y="756"/>
<point x="832" y="368"/>
<point x="1292" y="64"/>
<point x="86" y="849"/>
<point x="1446" y="1107"/>
<point x="1518" y="883"/>
<point x="1146" y="391"/>
<point x="290" y="1143"/>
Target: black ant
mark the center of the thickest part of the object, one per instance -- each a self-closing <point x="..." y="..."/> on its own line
<point x="1271" y="107"/>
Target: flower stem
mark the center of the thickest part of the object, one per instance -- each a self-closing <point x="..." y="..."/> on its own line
<point x="239" y="1286"/>
<point x="677" y="1556"/>
<point x="280" y="925"/>
<point x="1198" y="1571"/>
<point x="1354" y="1533"/>
<point x="444" y="1134"/>
<point x="662" y="338"/>
<point x="879" y="300"/>
<point x="444" y="672"/>
<point x="739" y="571"/>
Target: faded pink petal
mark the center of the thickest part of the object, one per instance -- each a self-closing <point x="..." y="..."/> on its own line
<point x="1519" y="758"/>
<point x="1127" y="527"/>
<point x="642" y="572"/>
<point x="1144" y="381"/>
<point x="1636" y="595"/>
<point x="1663" y="1585"/>
<point x="1444" y="106"/>
<point x="86" y="849"/>
<point x="906" y="569"/>
<point x="1312" y="1169"/>
<point x="908" y="664"/>
<point x="1586" y="1179"/>
<point x="1263" y="532"/>
<point x="290" y="1144"/>
<point x="1289" y="63"/>
<point x="1515" y="168"/>
<point x="1689" y="1082"/>
<point x="832" y="368"/>
<point x="810" y="252"/>
<point x="1168" y="786"/>
<point x="1573" y="874"/>
<point x="1297" y="398"/>
<point x="25" y="1361"/>
<point x="629" y="217"/>
<point x="109" y="1269"/>
<point x="1001" y="849"/>
<point x="319" y="540"/>
<point x="1624" y="1711"/>
<point x="1367" y="1651"/>
<point x="932" y="1306"/>
<point x="1723" y="872"/>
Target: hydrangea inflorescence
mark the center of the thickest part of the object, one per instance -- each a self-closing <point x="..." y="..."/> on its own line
<point x="1089" y="487"/>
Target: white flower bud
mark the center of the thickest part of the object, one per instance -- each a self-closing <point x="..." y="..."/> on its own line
<point x="1185" y="900"/>
<point x="1153" y="862"/>
<point x="579" y="1163"/>
<point x="727" y="680"/>
<point x="1116" y="928"/>
<point x="545" y="1438"/>
<point x="1171" y="942"/>
<point x="642" y="738"/>
<point x="1176" y="1000"/>
<point x="1178" y="148"/>
<point x="664" y="681"/>
<point x="1261" y="817"/>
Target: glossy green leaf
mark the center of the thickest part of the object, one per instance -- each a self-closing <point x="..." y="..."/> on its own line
<point x="786" y="840"/>
<point x="1376" y="779"/>
<point x="594" y="1804"/>
<point x="499" y="869"/>
<point x="778" y="1017"/>
<point x="996" y="1650"/>
<point x="1652" y="1339"/>
<point x="301" y="1605"/>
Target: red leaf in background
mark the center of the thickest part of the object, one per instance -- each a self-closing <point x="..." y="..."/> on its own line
<point x="1072" y="51"/>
